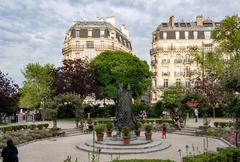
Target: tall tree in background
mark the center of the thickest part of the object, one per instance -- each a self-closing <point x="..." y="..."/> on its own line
<point x="8" y="96"/>
<point x="37" y="85"/>
<point x="115" y="67"/>
<point x="75" y="76"/>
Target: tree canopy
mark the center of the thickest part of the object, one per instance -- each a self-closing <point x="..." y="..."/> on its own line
<point x="75" y="76"/>
<point x="8" y="95"/>
<point x="37" y="84"/>
<point x="115" y="67"/>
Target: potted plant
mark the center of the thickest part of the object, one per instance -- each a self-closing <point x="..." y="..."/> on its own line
<point x="137" y="131"/>
<point x="100" y="131"/>
<point x="126" y="134"/>
<point x="148" y="132"/>
<point x="109" y="129"/>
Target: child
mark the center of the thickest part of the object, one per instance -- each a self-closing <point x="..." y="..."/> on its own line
<point x="164" y="131"/>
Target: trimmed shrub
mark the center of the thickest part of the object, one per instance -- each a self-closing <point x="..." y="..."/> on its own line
<point x="142" y="160"/>
<point x="230" y="154"/>
<point x="32" y="126"/>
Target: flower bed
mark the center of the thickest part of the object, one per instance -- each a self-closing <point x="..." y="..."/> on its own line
<point x="24" y="136"/>
<point x="142" y="160"/>
<point x="230" y="154"/>
<point x="23" y="127"/>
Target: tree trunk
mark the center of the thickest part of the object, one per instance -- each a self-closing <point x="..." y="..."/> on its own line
<point x="213" y="112"/>
<point x="54" y="123"/>
<point x="236" y="138"/>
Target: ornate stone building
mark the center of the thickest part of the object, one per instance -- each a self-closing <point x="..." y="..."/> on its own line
<point x="170" y="57"/>
<point x="86" y="39"/>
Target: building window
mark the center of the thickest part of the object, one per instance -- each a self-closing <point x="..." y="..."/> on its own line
<point x="102" y="33"/>
<point x="178" y="71"/>
<point x="207" y="35"/>
<point x="89" y="33"/>
<point x="178" y="82"/>
<point x="77" y="33"/>
<point x="77" y="55"/>
<point x="165" y="46"/>
<point x="77" y="44"/>
<point x="89" y="53"/>
<point x="196" y="84"/>
<point x="155" y="82"/>
<point x="165" y="83"/>
<point x="112" y="45"/>
<point x="177" y="35"/>
<point x="90" y="44"/>
<point x="187" y="58"/>
<point x="186" y="33"/>
<point x="177" y="46"/>
<point x="102" y="45"/>
<point x="164" y="35"/>
<point x="188" y="84"/>
<point x="195" y="34"/>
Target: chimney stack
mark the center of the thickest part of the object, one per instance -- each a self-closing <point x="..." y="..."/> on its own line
<point x="111" y="20"/>
<point x="171" y="21"/>
<point x="124" y="30"/>
<point x="199" y="20"/>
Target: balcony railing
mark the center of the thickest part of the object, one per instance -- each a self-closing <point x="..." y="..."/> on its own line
<point x="178" y="60"/>
<point x="169" y="48"/>
<point x="178" y="74"/>
<point x="187" y="61"/>
<point x="154" y="73"/>
<point x="165" y="61"/>
<point x="153" y="62"/>
<point x="72" y="48"/>
<point x="165" y="73"/>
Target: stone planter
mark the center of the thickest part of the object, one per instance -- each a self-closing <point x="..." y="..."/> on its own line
<point x="137" y="132"/>
<point x="100" y="137"/>
<point x="109" y="133"/>
<point x="148" y="136"/>
<point x="126" y="139"/>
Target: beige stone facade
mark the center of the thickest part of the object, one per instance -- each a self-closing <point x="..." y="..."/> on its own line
<point x="86" y="39"/>
<point x="170" y="58"/>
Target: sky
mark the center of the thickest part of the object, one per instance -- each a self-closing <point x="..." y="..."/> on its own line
<point x="33" y="30"/>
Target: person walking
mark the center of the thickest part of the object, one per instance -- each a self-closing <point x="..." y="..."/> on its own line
<point x="10" y="152"/>
<point x="164" y="131"/>
<point x="196" y="114"/>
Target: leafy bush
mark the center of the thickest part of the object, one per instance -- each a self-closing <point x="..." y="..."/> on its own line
<point x="125" y="131"/>
<point x="223" y="124"/>
<point x="138" y="125"/>
<point x="32" y="126"/>
<point x="230" y="154"/>
<point x="45" y="125"/>
<point x="109" y="126"/>
<point x="142" y="160"/>
<point x="40" y="126"/>
<point x="100" y="128"/>
<point x="24" y="136"/>
<point x="148" y="128"/>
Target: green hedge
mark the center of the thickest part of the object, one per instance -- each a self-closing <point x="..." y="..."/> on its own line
<point x="142" y="160"/>
<point x="23" y="127"/>
<point x="230" y="154"/>
<point x="223" y="124"/>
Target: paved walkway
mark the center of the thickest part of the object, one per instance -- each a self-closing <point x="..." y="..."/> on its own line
<point x="56" y="150"/>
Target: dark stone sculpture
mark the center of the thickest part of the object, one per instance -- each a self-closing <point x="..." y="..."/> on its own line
<point x="124" y="113"/>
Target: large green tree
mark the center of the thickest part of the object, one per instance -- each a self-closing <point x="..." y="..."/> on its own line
<point x="115" y="67"/>
<point x="37" y="84"/>
<point x="64" y="102"/>
<point x="172" y="97"/>
<point x="8" y="96"/>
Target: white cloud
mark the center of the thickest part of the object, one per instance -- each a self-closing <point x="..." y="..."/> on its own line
<point x="33" y="31"/>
